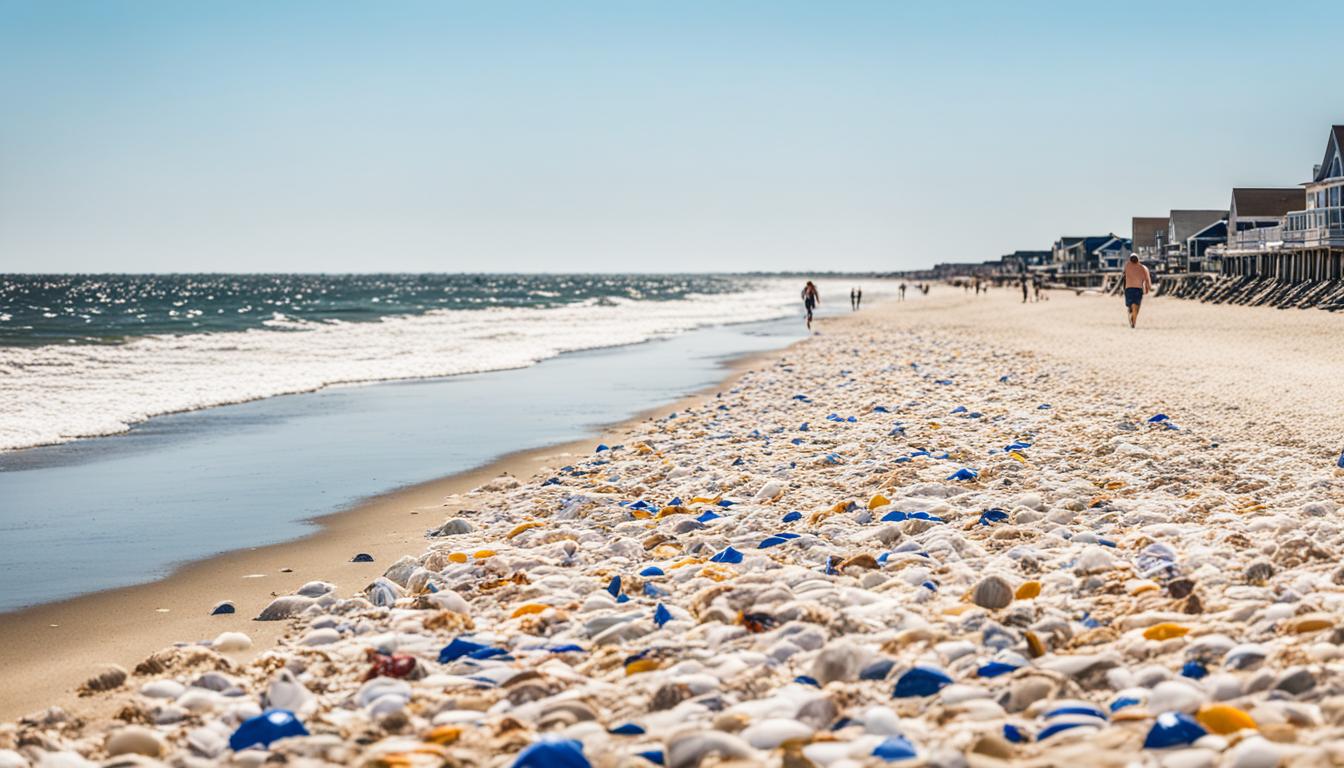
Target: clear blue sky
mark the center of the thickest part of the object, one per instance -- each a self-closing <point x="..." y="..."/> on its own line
<point x="634" y="135"/>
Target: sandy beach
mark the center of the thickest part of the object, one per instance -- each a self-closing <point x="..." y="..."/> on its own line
<point x="957" y="528"/>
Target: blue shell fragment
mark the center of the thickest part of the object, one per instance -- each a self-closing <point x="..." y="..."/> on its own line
<point x="1012" y="732"/>
<point x="805" y="680"/>
<point x="552" y="753"/>
<point x="654" y="756"/>
<point x="661" y="615"/>
<point x="1194" y="670"/>
<point x="993" y="515"/>
<point x="920" y="681"/>
<point x="1053" y="728"/>
<point x="614" y="586"/>
<point x="790" y="517"/>
<point x="458" y="648"/>
<point x="964" y="474"/>
<point x="652" y="570"/>
<point x="1173" y="729"/>
<point x="728" y="555"/>
<point x="626" y="729"/>
<point x="362" y="557"/>
<point x="271" y="725"/>
<point x="895" y="748"/>
<point x="995" y="668"/>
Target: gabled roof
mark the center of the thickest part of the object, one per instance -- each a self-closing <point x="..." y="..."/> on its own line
<point x="1114" y="243"/>
<point x="1216" y="229"/>
<point x="1266" y="202"/>
<point x="1333" y="145"/>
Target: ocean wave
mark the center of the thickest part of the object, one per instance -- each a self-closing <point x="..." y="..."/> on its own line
<point x="56" y="393"/>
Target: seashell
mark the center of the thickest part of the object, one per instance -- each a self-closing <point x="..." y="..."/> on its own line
<point x="453" y="527"/>
<point x="1028" y="590"/>
<point x="1259" y="572"/>
<point x="134" y="740"/>
<point x="110" y="676"/>
<point x="1309" y="622"/>
<point x="689" y="749"/>
<point x="316" y="589"/>
<point x="1165" y="631"/>
<point x="773" y="732"/>
<point x="1224" y="719"/>
<point x="992" y="592"/>
<point x="286" y="692"/>
<point x="286" y="607"/>
<point x="231" y="642"/>
<point x="223" y="607"/>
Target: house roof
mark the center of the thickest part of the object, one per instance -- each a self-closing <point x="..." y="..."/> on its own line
<point x="1266" y="201"/>
<point x="1332" y="145"/>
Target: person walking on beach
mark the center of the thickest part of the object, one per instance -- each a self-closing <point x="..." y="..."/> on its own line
<point x="811" y="300"/>
<point x="902" y="291"/>
<point x="853" y="299"/>
<point x="1024" y="289"/>
<point x="858" y="298"/>
<point x="1138" y="282"/>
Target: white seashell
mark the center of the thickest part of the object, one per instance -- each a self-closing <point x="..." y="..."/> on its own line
<point x="231" y="642"/>
<point x="770" y="733"/>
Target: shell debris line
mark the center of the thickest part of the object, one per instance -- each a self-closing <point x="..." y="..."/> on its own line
<point x="881" y="547"/>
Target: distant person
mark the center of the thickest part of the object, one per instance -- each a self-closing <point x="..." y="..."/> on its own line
<point x="924" y="288"/>
<point x="1138" y="282"/>
<point x="811" y="300"/>
<point x="1024" y="289"/>
<point x="858" y="298"/>
<point x="1036" y="286"/>
<point x="902" y="292"/>
<point x="977" y="286"/>
<point x="853" y="299"/>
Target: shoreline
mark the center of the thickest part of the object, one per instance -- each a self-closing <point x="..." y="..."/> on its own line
<point x="124" y="625"/>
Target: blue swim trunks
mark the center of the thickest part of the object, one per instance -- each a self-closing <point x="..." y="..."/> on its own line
<point x="1133" y="296"/>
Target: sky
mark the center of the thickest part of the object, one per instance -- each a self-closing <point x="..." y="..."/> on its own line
<point x="639" y="135"/>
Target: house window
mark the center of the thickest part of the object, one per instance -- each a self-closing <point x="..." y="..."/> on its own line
<point x="1334" y="196"/>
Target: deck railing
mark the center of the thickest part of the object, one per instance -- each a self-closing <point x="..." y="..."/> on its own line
<point x="1315" y="227"/>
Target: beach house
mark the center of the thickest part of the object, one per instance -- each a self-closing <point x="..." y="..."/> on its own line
<point x="1147" y="236"/>
<point x="1305" y="242"/>
<point x="1188" y="231"/>
<point x="1080" y="253"/>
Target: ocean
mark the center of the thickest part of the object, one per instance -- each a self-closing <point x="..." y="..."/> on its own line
<point x="91" y="355"/>
<point x="150" y="421"/>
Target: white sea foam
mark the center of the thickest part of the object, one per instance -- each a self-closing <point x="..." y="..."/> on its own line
<point x="55" y="393"/>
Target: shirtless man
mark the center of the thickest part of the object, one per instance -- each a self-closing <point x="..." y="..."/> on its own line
<point x="1138" y="282"/>
<point x="811" y="299"/>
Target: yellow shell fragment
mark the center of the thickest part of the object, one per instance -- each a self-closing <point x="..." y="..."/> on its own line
<point x="1137" y="587"/>
<point x="482" y="554"/>
<point x="457" y="557"/>
<point x="1028" y="591"/>
<point x="443" y="734"/>
<point x="1017" y="456"/>
<point x="706" y="500"/>
<point x="524" y="527"/>
<point x="718" y="572"/>
<point x="687" y="561"/>
<point x="1165" y="631"/>
<point x="675" y="510"/>
<point x="878" y="501"/>
<point x="528" y="608"/>
<point x="640" y="665"/>
<point x="1310" y="622"/>
<point x="1224" y="718"/>
<point x="640" y="514"/>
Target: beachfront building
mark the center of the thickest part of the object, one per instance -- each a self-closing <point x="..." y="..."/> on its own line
<point x="1080" y="253"/>
<point x="1305" y="243"/>
<point x="1190" y="234"/>
<point x="1148" y="237"/>
<point x="1024" y="261"/>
